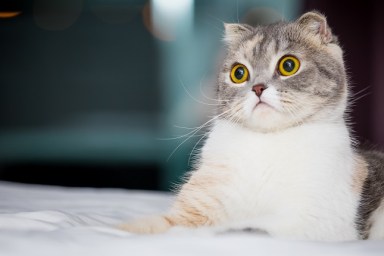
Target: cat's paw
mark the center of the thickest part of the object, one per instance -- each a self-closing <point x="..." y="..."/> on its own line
<point x="150" y="225"/>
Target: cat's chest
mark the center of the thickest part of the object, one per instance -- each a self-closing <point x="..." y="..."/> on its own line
<point x="277" y="182"/>
<point x="288" y="152"/>
<point x="277" y="168"/>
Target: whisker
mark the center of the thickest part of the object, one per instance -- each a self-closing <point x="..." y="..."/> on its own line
<point x="193" y="98"/>
<point x="195" y="131"/>
<point x="194" y="147"/>
<point x="178" y="137"/>
<point x="207" y="97"/>
<point x="353" y="101"/>
<point x="291" y="111"/>
<point x="184" y="127"/>
<point x="221" y="21"/>
<point x="359" y="92"/>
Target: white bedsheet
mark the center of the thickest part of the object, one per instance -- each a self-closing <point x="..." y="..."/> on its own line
<point x="43" y="220"/>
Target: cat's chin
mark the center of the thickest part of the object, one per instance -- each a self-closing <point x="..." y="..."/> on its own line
<point x="266" y="128"/>
<point x="265" y="118"/>
<point x="263" y="107"/>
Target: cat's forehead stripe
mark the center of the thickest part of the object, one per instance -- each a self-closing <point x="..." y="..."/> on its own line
<point x="262" y="50"/>
<point x="277" y="46"/>
<point x="264" y="45"/>
<point x="252" y="40"/>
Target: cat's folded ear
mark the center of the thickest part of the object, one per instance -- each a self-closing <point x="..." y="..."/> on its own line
<point x="234" y="32"/>
<point x="316" y="23"/>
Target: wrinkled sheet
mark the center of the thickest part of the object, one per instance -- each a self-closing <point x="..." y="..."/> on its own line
<point x="48" y="220"/>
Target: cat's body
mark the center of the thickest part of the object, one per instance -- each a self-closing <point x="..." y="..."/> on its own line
<point x="277" y="197"/>
<point x="280" y="157"/>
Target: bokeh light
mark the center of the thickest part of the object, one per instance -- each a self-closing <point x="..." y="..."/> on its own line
<point x="56" y="15"/>
<point x="8" y="15"/>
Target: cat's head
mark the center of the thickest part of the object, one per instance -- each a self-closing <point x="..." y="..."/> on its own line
<point x="282" y="75"/>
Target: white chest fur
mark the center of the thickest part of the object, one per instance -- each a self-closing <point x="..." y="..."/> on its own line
<point x="295" y="183"/>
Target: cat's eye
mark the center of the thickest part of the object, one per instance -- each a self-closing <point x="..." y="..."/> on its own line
<point x="288" y="65"/>
<point x="239" y="74"/>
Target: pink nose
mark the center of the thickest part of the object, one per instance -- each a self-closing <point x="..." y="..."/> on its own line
<point x="258" y="89"/>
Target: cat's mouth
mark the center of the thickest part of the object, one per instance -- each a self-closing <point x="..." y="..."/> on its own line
<point x="261" y="105"/>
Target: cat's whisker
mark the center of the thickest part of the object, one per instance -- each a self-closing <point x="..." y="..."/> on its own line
<point x="286" y="98"/>
<point x="219" y="29"/>
<point x="237" y="106"/>
<point x="353" y="101"/>
<point x="194" y="147"/>
<point x="184" y="127"/>
<point x="207" y="97"/>
<point x="237" y="119"/>
<point x="195" y="131"/>
<point x="217" y="19"/>
<point x="233" y="118"/>
<point x="216" y="28"/>
<point x="179" y="137"/>
<point x="193" y="98"/>
<point x="290" y="112"/>
<point x="353" y="98"/>
<point x="169" y="157"/>
<point x="283" y="12"/>
<point x="359" y="92"/>
<point x="291" y="109"/>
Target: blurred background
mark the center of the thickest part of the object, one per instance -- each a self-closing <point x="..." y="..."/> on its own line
<point x="92" y="91"/>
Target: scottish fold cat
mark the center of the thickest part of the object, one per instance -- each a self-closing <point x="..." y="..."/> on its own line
<point x="280" y="156"/>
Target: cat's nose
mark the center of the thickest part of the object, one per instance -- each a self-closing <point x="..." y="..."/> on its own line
<point x="258" y="89"/>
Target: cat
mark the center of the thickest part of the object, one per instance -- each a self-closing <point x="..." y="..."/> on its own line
<point x="280" y="156"/>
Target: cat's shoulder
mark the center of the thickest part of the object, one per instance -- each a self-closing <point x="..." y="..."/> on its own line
<point x="374" y="159"/>
<point x="371" y="207"/>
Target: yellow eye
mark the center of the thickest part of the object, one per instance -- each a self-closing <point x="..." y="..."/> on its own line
<point x="239" y="74"/>
<point x="288" y="65"/>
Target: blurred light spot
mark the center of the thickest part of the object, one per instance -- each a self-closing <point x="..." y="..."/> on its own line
<point x="56" y="15"/>
<point x="147" y="20"/>
<point x="173" y="8"/>
<point x="115" y="14"/>
<point x="262" y="16"/>
<point x="170" y="18"/>
<point x="7" y="15"/>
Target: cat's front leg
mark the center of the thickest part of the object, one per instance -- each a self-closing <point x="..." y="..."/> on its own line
<point x="199" y="203"/>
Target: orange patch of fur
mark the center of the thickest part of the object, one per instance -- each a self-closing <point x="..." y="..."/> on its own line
<point x="197" y="203"/>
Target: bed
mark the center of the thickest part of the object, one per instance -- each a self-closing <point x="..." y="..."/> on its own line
<point x="48" y="220"/>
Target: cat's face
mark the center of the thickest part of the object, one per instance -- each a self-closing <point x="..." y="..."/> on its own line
<point x="282" y="75"/>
